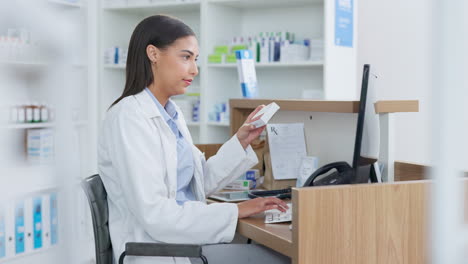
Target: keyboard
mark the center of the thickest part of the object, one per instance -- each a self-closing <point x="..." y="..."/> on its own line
<point x="281" y="193"/>
<point x="276" y="216"/>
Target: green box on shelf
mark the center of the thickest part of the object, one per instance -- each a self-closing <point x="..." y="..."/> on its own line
<point x="215" y="58"/>
<point x="238" y="47"/>
<point x="231" y="58"/>
<point x="221" y="49"/>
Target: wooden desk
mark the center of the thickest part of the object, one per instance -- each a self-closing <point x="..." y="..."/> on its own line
<point x="352" y="224"/>
<point x="275" y="236"/>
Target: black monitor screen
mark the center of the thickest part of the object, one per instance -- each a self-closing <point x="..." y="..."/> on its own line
<point x="366" y="145"/>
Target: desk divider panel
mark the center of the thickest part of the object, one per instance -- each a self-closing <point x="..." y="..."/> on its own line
<point x="367" y="223"/>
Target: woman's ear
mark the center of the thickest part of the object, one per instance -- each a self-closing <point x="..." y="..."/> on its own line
<point x="153" y="53"/>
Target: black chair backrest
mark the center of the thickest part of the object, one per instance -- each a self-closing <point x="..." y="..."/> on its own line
<point x="97" y="198"/>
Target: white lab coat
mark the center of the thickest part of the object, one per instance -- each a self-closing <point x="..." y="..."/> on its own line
<point x="138" y="164"/>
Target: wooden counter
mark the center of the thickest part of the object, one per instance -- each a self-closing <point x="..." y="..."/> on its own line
<point x="275" y="236"/>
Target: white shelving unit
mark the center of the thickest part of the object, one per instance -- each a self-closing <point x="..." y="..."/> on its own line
<point x="305" y="64"/>
<point x="60" y="77"/>
<point x="216" y="22"/>
<point x="28" y="126"/>
<point x="66" y="3"/>
<point x="126" y="17"/>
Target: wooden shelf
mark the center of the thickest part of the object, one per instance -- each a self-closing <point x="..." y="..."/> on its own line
<point x="166" y="6"/>
<point x="241" y="108"/>
<point x="328" y="106"/>
<point x="382" y="107"/>
<point x="300" y="105"/>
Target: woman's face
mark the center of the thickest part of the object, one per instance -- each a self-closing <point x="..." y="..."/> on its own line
<point x="176" y="66"/>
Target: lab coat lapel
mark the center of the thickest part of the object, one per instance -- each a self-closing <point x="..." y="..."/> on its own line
<point x="167" y="137"/>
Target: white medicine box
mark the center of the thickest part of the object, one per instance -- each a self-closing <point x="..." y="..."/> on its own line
<point x="40" y="145"/>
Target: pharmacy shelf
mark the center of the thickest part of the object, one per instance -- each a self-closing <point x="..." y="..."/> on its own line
<point x="220" y="124"/>
<point x="245" y="4"/>
<point x="163" y="6"/>
<point x="66" y="3"/>
<point x="27" y="125"/>
<point x="121" y="67"/>
<point x="193" y="124"/>
<point x="273" y="65"/>
<point x="114" y="66"/>
<point x="23" y="63"/>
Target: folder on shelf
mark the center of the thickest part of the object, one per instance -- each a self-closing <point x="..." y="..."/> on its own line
<point x="19" y="228"/>
<point x="53" y="219"/>
<point x="46" y="220"/>
<point x="37" y="222"/>
<point x="28" y="225"/>
<point x="9" y="230"/>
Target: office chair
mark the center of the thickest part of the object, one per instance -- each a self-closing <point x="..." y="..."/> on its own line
<point x="97" y="198"/>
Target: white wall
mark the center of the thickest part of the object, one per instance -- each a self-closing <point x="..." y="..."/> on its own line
<point x="395" y="38"/>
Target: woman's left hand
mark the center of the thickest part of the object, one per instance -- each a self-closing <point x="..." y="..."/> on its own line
<point x="247" y="132"/>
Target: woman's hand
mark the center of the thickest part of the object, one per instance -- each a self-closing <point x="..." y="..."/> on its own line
<point x="259" y="205"/>
<point x="247" y="132"/>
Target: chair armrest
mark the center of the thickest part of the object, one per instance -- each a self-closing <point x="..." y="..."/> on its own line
<point x="163" y="250"/>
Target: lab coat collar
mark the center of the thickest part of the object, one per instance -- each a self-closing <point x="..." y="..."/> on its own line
<point x="147" y="104"/>
<point x="151" y="111"/>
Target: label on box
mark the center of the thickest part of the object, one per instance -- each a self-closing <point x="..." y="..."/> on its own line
<point x="19" y="228"/>
<point x="37" y="222"/>
<point x="239" y="185"/>
<point x="53" y="219"/>
<point x="247" y="74"/>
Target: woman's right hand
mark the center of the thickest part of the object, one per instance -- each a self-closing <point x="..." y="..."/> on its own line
<point x="259" y="205"/>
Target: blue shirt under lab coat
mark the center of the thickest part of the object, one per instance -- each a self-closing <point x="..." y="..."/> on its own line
<point x="185" y="167"/>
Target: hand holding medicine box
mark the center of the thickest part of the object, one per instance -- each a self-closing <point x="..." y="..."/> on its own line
<point x="266" y="114"/>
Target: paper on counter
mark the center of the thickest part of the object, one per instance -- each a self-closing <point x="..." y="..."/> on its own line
<point x="287" y="148"/>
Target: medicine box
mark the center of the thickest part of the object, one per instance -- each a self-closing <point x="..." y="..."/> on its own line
<point x="40" y="145"/>
<point x="267" y="113"/>
<point x="247" y="74"/>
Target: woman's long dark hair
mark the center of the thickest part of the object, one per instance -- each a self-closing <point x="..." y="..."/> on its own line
<point x="160" y="31"/>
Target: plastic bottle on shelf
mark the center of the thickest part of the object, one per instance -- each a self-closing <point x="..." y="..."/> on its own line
<point x="21" y="113"/>
<point x="36" y="112"/>
<point x="29" y="113"/>
<point x="44" y="113"/>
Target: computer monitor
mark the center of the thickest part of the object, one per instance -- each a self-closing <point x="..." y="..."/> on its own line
<point x="366" y="145"/>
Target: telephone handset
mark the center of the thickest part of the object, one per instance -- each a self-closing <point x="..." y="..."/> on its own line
<point x="344" y="174"/>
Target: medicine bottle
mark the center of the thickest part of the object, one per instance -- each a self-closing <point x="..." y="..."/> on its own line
<point x="29" y="113"/>
<point x="36" y="112"/>
<point x="44" y="113"/>
<point x="21" y="113"/>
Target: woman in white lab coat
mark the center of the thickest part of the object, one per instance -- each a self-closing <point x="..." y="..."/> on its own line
<point x="157" y="181"/>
